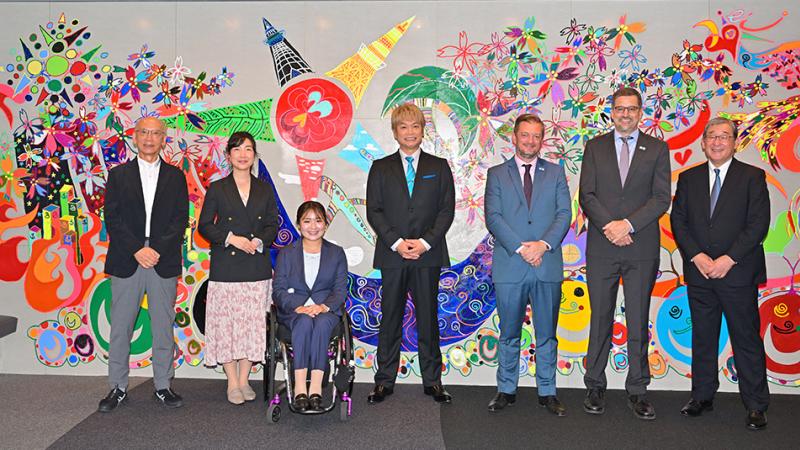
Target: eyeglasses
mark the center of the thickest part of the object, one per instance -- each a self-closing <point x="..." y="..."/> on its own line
<point x="145" y="132"/>
<point x="622" y="109"/>
<point x="724" y="138"/>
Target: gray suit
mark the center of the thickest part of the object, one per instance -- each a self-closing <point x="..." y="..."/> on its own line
<point x="643" y="199"/>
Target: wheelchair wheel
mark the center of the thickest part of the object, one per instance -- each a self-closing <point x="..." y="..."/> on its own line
<point x="343" y="415"/>
<point x="273" y="413"/>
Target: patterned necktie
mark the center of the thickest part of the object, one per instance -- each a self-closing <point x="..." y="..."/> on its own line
<point x="624" y="160"/>
<point x="527" y="183"/>
<point x="715" y="192"/>
<point x="410" y="174"/>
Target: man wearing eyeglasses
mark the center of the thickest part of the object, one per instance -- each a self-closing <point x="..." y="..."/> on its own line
<point x="146" y="213"/>
<point x="624" y="189"/>
<point x="720" y="218"/>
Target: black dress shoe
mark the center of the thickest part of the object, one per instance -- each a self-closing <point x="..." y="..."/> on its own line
<point x="315" y="402"/>
<point x="553" y="405"/>
<point x="168" y="398"/>
<point x="642" y="409"/>
<point x="696" y="407"/>
<point x="595" y="401"/>
<point x="439" y="393"/>
<point x="756" y="420"/>
<point x="378" y="394"/>
<point x="301" y="402"/>
<point x="501" y="400"/>
<point x="112" y="400"/>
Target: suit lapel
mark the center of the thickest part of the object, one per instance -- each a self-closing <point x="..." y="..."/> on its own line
<point x="638" y="155"/>
<point x="137" y="179"/>
<point x="611" y="156"/>
<point x="705" y="193"/>
<point x="423" y="166"/>
<point x="396" y="167"/>
<point x="727" y="187"/>
<point x="255" y="193"/>
<point x="538" y="181"/>
<point x="516" y="179"/>
<point x="322" y="255"/>
<point x="161" y="184"/>
<point x="300" y="262"/>
<point x="229" y="187"/>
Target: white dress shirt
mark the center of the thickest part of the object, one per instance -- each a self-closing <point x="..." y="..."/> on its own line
<point x="723" y="170"/>
<point x="148" y="172"/>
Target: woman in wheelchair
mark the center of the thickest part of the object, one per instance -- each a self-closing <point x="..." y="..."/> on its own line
<point x="309" y="289"/>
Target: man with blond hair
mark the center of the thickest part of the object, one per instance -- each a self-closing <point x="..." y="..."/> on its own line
<point x="410" y="205"/>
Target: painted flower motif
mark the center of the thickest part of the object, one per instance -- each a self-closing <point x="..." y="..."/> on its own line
<point x="573" y="31"/>
<point x="142" y="57"/>
<point x="464" y="54"/>
<point x="598" y="51"/>
<point x="177" y="72"/>
<point x="632" y="58"/>
<point x="12" y="180"/>
<point x="472" y="203"/>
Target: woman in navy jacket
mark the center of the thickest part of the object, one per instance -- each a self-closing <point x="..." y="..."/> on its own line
<point x="309" y="289"/>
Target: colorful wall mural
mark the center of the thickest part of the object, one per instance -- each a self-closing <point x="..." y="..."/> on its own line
<point x="69" y="103"/>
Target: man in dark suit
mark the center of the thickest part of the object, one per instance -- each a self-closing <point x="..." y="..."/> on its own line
<point x="624" y="189"/>
<point x="720" y="219"/>
<point x="528" y="213"/>
<point x="146" y="214"/>
<point x="410" y="205"/>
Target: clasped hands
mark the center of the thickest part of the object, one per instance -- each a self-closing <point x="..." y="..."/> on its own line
<point x="532" y="252"/>
<point x="147" y="257"/>
<point x="618" y="232"/>
<point x="311" y="310"/>
<point x="411" y="248"/>
<point x="242" y="243"/>
<point x="713" y="268"/>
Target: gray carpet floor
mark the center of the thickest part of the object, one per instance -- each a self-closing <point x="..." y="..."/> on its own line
<point x="60" y="412"/>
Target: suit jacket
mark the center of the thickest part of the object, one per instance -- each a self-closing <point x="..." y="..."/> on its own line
<point x="289" y="288"/>
<point x="426" y="214"/>
<point x="125" y="217"/>
<point x="223" y="212"/>
<point x="737" y="228"/>
<point x="511" y="222"/>
<point x="644" y="198"/>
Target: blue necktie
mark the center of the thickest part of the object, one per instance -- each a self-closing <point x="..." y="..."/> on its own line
<point x="715" y="192"/>
<point x="410" y="174"/>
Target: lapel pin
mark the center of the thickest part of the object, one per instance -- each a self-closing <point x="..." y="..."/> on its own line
<point x="641" y="147"/>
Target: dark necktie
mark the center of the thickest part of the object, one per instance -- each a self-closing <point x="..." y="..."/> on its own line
<point x="527" y="183"/>
<point x="624" y="160"/>
<point x="715" y="193"/>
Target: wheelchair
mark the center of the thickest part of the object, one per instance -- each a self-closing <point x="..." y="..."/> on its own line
<point x="339" y="375"/>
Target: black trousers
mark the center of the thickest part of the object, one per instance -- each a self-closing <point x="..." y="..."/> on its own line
<point x="423" y="282"/>
<point x="638" y="278"/>
<point x="740" y="306"/>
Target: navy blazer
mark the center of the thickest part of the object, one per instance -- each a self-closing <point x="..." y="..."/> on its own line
<point x="125" y="215"/>
<point x="289" y="288"/>
<point x="223" y="212"/>
<point x="737" y="228"/>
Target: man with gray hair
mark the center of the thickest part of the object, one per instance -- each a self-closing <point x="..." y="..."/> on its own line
<point x="720" y="218"/>
<point x="146" y="213"/>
